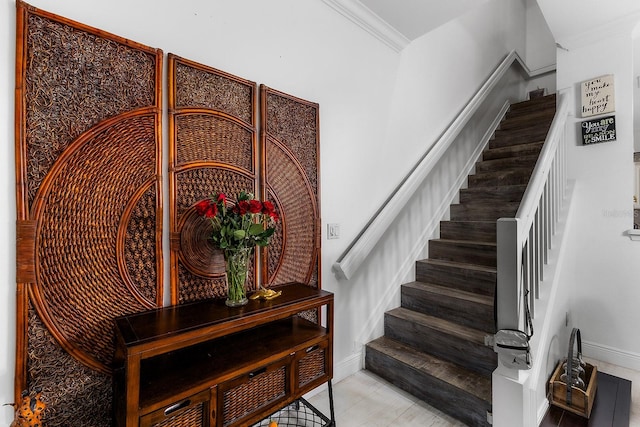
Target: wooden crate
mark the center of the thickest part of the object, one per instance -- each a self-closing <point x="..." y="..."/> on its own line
<point x="581" y="400"/>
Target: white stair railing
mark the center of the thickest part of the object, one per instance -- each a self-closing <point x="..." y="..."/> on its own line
<point x="523" y="242"/>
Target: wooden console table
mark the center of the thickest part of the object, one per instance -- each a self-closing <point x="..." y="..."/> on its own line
<point x="206" y="364"/>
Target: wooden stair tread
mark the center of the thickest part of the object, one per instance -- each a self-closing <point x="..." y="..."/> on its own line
<point x="497" y="178"/>
<point x="508" y="162"/>
<point x="527" y="119"/>
<point x="475" y="278"/>
<point x="459" y="377"/>
<point x="516" y="188"/>
<point x="474" y="229"/>
<point x="485" y="211"/>
<point x="518" y="136"/>
<point x="533" y="103"/>
<point x="451" y="328"/>
<point x="486" y="205"/>
<point x="507" y="172"/>
<point x="526" y="128"/>
<point x="493" y="193"/>
<point x="512" y="150"/>
<point x="466" y="243"/>
<point x="455" y="264"/>
<point x="540" y="112"/>
<point x="471" y="251"/>
<point x="478" y="223"/>
<point x="451" y="293"/>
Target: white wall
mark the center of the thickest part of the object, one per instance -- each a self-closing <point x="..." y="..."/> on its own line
<point x="603" y="265"/>
<point x="636" y="90"/>
<point x="540" y="48"/>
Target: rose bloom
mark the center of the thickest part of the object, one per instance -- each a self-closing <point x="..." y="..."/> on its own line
<point x="255" y="206"/>
<point x="269" y="209"/>
<point x="242" y="207"/>
<point x="206" y="208"/>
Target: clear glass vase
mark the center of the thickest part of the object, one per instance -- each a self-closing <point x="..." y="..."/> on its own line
<point x="237" y="269"/>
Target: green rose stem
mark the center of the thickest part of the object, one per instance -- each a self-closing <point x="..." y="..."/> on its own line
<point x="237" y="261"/>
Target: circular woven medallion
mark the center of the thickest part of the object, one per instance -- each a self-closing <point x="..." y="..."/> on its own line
<point x="197" y="252"/>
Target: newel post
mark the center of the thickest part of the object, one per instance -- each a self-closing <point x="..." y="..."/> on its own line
<point x="509" y="262"/>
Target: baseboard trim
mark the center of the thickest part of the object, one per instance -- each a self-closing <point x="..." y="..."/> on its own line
<point x="542" y="411"/>
<point x="348" y="366"/>
<point x="341" y="370"/>
<point x="612" y="355"/>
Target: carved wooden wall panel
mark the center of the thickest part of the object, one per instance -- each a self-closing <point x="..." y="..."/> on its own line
<point x="291" y="176"/>
<point x="213" y="148"/>
<point x="89" y="197"/>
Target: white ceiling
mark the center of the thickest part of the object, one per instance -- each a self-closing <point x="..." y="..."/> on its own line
<point x="571" y="19"/>
<point x="398" y="22"/>
<point x="414" y="18"/>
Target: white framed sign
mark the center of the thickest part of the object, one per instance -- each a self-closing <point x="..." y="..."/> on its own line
<point x="598" y="96"/>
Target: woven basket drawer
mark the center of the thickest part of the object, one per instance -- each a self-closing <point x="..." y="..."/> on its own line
<point x="241" y="397"/>
<point x="190" y="412"/>
<point x="312" y="365"/>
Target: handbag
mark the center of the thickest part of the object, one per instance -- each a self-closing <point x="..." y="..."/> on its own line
<point x="512" y="345"/>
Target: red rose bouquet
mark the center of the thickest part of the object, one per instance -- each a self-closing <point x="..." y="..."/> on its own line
<point x="238" y="228"/>
<point x="245" y="224"/>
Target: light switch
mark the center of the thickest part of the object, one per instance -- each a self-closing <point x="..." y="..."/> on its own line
<point x="333" y="231"/>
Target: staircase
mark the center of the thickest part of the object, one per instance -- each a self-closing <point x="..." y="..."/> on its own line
<point x="433" y="345"/>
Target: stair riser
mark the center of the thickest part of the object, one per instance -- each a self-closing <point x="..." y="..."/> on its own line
<point x="525" y="120"/>
<point x="507" y="178"/>
<point x="467" y="313"/>
<point x="475" y="231"/>
<point x="480" y="282"/>
<point x="510" y="137"/>
<point x="509" y="140"/>
<point x="518" y="162"/>
<point x="513" y="151"/>
<point x="471" y="254"/>
<point x="511" y="193"/>
<point x="544" y="111"/>
<point x="527" y="107"/>
<point x="472" y="356"/>
<point x="451" y="400"/>
<point x="473" y="212"/>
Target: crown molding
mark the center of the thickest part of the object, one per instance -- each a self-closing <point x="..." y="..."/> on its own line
<point x="362" y="16"/>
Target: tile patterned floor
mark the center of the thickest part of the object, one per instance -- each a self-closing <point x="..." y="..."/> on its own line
<point x="363" y="399"/>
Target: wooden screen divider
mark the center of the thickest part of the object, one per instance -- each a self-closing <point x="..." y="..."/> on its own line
<point x="89" y="206"/>
<point x="291" y="178"/>
<point x="212" y="149"/>
<point x="89" y="225"/>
